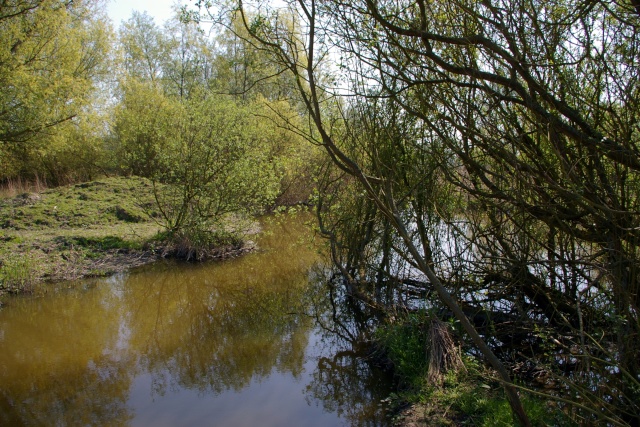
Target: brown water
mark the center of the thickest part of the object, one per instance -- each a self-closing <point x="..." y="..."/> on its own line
<point x="218" y="344"/>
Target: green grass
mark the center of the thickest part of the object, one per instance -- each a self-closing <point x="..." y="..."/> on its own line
<point x="469" y="397"/>
<point x="63" y="233"/>
<point x="108" y="201"/>
<point x="101" y="243"/>
<point x="477" y="399"/>
<point x="17" y="273"/>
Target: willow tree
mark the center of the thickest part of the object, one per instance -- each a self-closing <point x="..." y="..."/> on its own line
<point x="529" y="110"/>
<point x="52" y="53"/>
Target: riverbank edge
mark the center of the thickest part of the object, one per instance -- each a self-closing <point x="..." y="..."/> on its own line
<point x="470" y="393"/>
<point x="110" y="262"/>
<point x="93" y="229"/>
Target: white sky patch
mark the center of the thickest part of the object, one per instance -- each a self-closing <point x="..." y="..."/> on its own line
<point x="161" y="10"/>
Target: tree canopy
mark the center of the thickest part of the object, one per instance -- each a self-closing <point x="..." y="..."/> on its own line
<point x="496" y="146"/>
<point x="51" y="53"/>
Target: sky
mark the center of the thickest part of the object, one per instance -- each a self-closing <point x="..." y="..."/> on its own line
<point x="120" y="10"/>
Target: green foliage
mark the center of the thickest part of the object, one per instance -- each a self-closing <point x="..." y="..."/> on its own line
<point x="145" y="125"/>
<point x="465" y="395"/>
<point x="505" y="151"/>
<point x="143" y="46"/>
<point x="188" y="66"/>
<point x="245" y="70"/>
<point x="218" y="165"/>
<point x="474" y="395"/>
<point x="176" y="59"/>
<point x="16" y="272"/>
<point x="207" y="157"/>
<point x="405" y="343"/>
<point x="471" y="394"/>
<point x="195" y="243"/>
<point x="296" y="162"/>
<point x="52" y="53"/>
<point x="74" y="153"/>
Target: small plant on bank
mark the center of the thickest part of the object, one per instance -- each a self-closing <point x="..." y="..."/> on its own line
<point x="198" y="244"/>
<point x="17" y="273"/>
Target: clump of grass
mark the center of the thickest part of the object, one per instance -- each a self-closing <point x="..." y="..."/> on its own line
<point x="100" y="243"/>
<point x="447" y="387"/>
<point x="17" y="273"/>
<point x="196" y="244"/>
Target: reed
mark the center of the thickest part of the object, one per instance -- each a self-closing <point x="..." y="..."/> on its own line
<point x="11" y="187"/>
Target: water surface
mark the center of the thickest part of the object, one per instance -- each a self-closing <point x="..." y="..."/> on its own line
<point x="231" y="343"/>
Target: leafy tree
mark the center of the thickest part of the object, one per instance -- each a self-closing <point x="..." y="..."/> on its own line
<point x="75" y="152"/>
<point x="144" y="46"/>
<point x="144" y="127"/>
<point x="51" y="54"/>
<point x="527" y="111"/>
<point x="218" y="165"/>
<point x="295" y="163"/>
<point x="208" y="159"/>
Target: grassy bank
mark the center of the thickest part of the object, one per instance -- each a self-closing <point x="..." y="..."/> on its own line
<point x="89" y="229"/>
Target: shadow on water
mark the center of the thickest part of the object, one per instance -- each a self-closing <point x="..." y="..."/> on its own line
<point x="242" y="342"/>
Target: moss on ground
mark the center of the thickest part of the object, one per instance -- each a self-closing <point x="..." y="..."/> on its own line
<point x="93" y="228"/>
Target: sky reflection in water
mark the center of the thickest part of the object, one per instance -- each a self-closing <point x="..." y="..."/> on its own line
<point x="224" y="344"/>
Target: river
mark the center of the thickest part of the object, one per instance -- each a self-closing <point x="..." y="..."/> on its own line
<point x="233" y="343"/>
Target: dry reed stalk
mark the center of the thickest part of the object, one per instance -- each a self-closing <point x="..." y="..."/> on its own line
<point x="444" y="354"/>
<point x="15" y="186"/>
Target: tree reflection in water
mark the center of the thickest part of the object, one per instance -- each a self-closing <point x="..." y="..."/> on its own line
<point x="216" y="337"/>
<point x="59" y="366"/>
<point x="346" y="380"/>
<point x="134" y="348"/>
